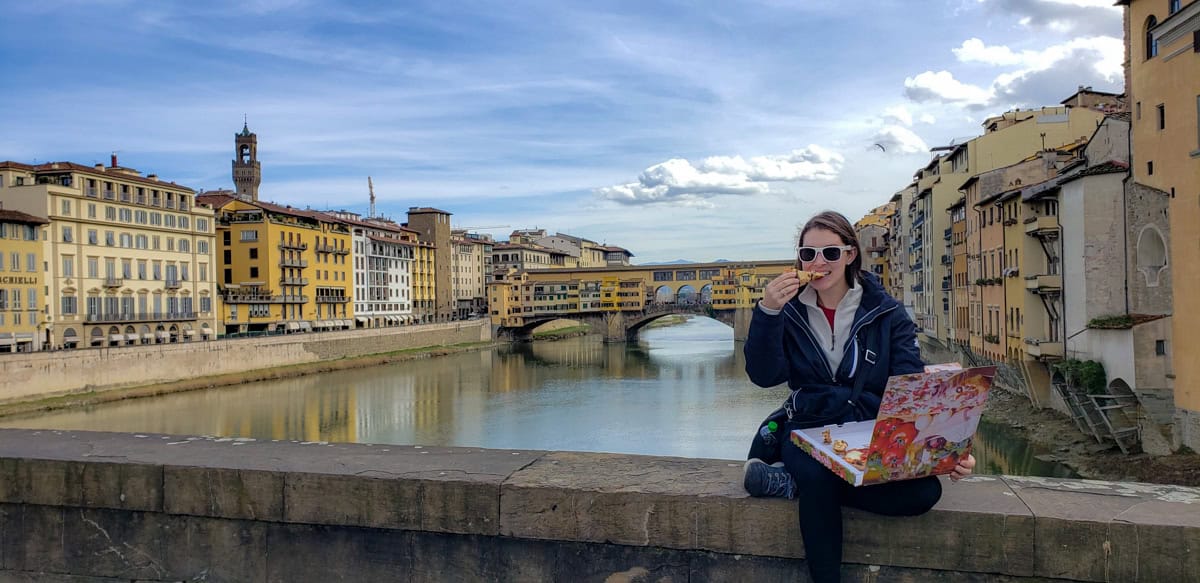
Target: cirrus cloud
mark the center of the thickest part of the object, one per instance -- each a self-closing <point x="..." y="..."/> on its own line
<point x="679" y="181"/>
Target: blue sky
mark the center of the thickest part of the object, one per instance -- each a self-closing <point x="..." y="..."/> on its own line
<point x="697" y="130"/>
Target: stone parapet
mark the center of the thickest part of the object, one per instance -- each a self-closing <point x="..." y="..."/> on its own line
<point x="94" y="506"/>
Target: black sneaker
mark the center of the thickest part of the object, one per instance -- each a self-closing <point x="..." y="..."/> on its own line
<point x="765" y="481"/>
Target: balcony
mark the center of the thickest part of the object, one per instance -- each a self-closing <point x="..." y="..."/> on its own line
<point x="290" y="245"/>
<point x="1041" y="226"/>
<point x="331" y="299"/>
<point x="920" y="220"/>
<point x="1038" y="348"/>
<point x="331" y="249"/>
<point x="945" y="286"/>
<point x="293" y="281"/>
<point x="140" y="317"/>
<point x="946" y="260"/>
<point x="113" y="282"/>
<point x="946" y="235"/>
<point x="293" y="263"/>
<point x="1044" y="284"/>
<point x="244" y="298"/>
<point x="172" y="284"/>
<point x="918" y="288"/>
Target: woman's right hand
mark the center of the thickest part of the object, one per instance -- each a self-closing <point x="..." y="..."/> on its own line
<point x="781" y="290"/>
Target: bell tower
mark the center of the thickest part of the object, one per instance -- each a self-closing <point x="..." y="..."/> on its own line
<point x="247" y="171"/>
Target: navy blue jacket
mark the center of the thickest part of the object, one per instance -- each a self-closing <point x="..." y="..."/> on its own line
<point x="882" y="343"/>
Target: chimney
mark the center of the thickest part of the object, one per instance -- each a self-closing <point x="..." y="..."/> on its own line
<point x="114" y="159"/>
<point x="100" y="167"/>
<point x="153" y="177"/>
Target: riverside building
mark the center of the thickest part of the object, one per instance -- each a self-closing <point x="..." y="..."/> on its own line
<point x="283" y="269"/>
<point x="128" y="259"/>
<point x="21" y="281"/>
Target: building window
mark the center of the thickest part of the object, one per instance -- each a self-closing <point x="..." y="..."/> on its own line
<point x="249" y="235"/>
<point x="66" y="234"/>
<point x="1151" y="44"/>
<point x="68" y="265"/>
<point x="254" y="252"/>
<point x="1160" y="347"/>
<point x="253" y="272"/>
<point x="70" y="305"/>
<point x="1150" y="168"/>
<point x="1162" y="116"/>
<point x="66" y="207"/>
<point x="1172" y="6"/>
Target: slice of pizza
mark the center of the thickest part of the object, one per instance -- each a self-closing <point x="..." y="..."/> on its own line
<point x="806" y="276"/>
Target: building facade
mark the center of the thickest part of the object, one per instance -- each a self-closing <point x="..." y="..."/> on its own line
<point x="433" y="228"/>
<point x="129" y="259"/>
<point x="22" y="313"/>
<point x="282" y="269"/>
<point x="1163" y="55"/>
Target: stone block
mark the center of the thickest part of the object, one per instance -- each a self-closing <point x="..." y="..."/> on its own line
<point x="214" y="550"/>
<point x="44" y="577"/>
<point x="114" y="543"/>
<point x="86" y="484"/>
<point x="352" y="500"/>
<point x="39" y="546"/>
<point x="978" y="525"/>
<point x="223" y="493"/>
<point x="637" y="500"/>
<point x="1089" y="530"/>
<point x="300" y="553"/>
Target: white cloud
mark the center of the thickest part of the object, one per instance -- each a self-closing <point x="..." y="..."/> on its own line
<point x="943" y="87"/>
<point x="898" y="113"/>
<point x="899" y="140"/>
<point x="927" y="119"/>
<point x="679" y="181"/>
<point x="1108" y="52"/>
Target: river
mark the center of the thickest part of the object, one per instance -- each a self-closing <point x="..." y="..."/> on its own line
<point x="679" y="391"/>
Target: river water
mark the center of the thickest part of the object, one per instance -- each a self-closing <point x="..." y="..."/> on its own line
<point x="679" y="391"/>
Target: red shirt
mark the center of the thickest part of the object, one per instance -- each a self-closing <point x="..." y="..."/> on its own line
<point x="829" y="313"/>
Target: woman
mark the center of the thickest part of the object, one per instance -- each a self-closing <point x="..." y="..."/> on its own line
<point x="834" y="341"/>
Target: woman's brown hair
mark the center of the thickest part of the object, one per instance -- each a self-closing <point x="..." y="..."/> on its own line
<point x="839" y="225"/>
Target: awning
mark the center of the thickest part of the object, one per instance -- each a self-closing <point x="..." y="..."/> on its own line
<point x="162" y="334"/>
<point x="131" y="337"/>
<point x="147" y="336"/>
<point x="361" y="319"/>
<point x="293" y="326"/>
<point x="206" y="331"/>
<point x="95" y="340"/>
<point x="6" y="341"/>
<point x="325" y="324"/>
<point x="115" y="337"/>
<point x="189" y="332"/>
<point x="306" y="325"/>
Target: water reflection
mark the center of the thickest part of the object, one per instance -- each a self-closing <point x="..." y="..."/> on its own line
<point x="679" y="391"/>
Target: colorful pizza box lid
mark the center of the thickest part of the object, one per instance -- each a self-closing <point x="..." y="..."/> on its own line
<point x="925" y="426"/>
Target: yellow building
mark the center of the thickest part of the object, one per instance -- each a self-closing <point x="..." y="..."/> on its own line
<point x="471" y="264"/>
<point x="282" y="269"/>
<point x="1163" y="81"/>
<point x="424" y="279"/>
<point x="872" y="231"/>
<point x="129" y="258"/>
<point x="21" y="282"/>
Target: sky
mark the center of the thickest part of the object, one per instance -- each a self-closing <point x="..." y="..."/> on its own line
<point x="678" y="130"/>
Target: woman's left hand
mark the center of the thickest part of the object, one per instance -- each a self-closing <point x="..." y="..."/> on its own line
<point x="963" y="469"/>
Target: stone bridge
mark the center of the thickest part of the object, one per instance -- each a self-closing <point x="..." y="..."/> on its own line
<point x="624" y="326"/>
<point x="108" y="507"/>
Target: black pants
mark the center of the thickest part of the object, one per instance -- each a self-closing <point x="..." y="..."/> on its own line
<point x="821" y="495"/>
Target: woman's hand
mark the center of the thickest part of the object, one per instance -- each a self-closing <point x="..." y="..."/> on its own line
<point x="963" y="469"/>
<point x="780" y="290"/>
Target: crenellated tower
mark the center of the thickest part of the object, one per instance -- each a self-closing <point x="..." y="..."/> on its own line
<point x="247" y="171"/>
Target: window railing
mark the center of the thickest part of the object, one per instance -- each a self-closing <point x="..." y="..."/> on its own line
<point x="141" y="317"/>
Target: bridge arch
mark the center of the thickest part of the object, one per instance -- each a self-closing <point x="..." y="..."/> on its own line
<point x="686" y="295"/>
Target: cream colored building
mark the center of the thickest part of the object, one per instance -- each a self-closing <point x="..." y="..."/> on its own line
<point x="129" y="258"/>
<point x="1162" y="42"/>
<point x="382" y="256"/>
<point x="22" y="312"/>
<point x="471" y="266"/>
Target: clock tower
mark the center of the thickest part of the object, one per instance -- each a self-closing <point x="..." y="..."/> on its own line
<point x="247" y="171"/>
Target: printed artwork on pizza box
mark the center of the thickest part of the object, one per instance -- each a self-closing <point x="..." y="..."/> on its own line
<point x="926" y="423"/>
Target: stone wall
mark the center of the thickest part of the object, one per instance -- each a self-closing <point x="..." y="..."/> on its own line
<point x="78" y="506"/>
<point x="36" y="375"/>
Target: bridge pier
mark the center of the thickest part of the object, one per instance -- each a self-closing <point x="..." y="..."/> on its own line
<point x="614" y="327"/>
<point x="741" y="323"/>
